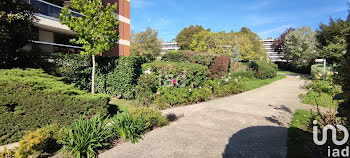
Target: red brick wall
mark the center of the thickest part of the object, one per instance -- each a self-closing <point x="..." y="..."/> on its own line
<point x="124" y="28"/>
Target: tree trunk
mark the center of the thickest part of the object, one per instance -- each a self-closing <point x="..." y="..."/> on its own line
<point x="93" y="75"/>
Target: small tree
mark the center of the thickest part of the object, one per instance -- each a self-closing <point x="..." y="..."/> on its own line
<point x="146" y="44"/>
<point x="300" y="45"/>
<point x="96" y="29"/>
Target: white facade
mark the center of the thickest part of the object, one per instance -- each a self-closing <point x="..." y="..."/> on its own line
<point x="170" y="46"/>
<point x="271" y="53"/>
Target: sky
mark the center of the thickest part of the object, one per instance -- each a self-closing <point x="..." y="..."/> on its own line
<point x="267" y="18"/>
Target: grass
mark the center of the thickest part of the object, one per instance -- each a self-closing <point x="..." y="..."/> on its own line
<point x="321" y="99"/>
<point x="123" y="104"/>
<point x="256" y="83"/>
<point x="299" y="135"/>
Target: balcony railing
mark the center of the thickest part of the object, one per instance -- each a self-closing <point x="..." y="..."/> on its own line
<point x="56" y="48"/>
<point x="49" y="10"/>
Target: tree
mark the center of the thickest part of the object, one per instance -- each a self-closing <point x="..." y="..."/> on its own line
<point x="300" y="45"/>
<point x="185" y="37"/>
<point x="246" y="43"/>
<point x="206" y="41"/>
<point x="278" y="44"/>
<point x="245" y="30"/>
<point x="96" y="29"/>
<point x="331" y="39"/>
<point x="16" y="19"/>
<point x="249" y="45"/>
<point x="146" y="44"/>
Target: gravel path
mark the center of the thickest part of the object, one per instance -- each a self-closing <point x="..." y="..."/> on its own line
<point x="251" y="124"/>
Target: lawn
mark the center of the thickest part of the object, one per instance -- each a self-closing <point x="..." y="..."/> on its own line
<point x="256" y="83"/>
<point x="299" y="134"/>
<point x="122" y="104"/>
<point x="300" y="140"/>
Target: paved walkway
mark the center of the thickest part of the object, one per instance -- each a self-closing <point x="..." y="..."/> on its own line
<point x="251" y="124"/>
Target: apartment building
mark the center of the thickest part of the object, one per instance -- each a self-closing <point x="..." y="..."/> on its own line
<point x="170" y="46"/>
<point x="271" y="53"/>
<point x="51" y="36"/>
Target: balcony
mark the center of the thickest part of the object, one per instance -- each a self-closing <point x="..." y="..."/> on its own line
<point x="48" y="10"/>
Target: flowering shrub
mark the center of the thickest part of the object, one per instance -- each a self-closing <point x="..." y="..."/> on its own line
<point x="178" y="74"/>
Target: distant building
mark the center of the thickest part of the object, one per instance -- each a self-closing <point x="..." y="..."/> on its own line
<point x="52" y="36"/>
<point x="170" y="46"/>
<point x="271" y="53"/>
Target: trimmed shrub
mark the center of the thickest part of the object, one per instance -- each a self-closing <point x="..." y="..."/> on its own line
<point x="179" y="56"/>
<point x="220" y="66"/>
<point x="171" y="96"/>
<point x="246" y="74"/>
<point x="173" y="74"/>
<point x="200" y="94"/>
<point x="317" y="72"/>
<point x="146" y="88"/>
<point x="128" y="128"/>
<point x="30" y="99"/>
<point x="204" y="59"/>
<point x="125" y="76"/>
<point x="39" y="141"/>
<point x="263" y="69"/>
<point x="114" y="75"/>
<point x="85" y="136"/>
<point x="226" y="86"/>
<point x="172" y="56"/>
<point x="303" y="68"/>
<point x="275" y="66"/>
<point x="22" y="59"/>
<point x="152" y="117"/>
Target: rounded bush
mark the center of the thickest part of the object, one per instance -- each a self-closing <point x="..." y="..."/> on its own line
<point x="263" y="70"/>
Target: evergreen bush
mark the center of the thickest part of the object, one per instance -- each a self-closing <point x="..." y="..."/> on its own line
<point x="31" y="98"/>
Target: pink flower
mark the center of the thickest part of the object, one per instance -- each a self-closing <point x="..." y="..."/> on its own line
<point x="174" y="81"/>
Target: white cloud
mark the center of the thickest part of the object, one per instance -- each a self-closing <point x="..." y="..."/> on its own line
<point x="275" y="32"/>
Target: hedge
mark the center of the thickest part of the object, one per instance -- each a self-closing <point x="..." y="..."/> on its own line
<point x="303" y="68"/>
<point x="219" y="65"/>
<point x="185" y="74"/>
<point x="179" y="55"/>
<point x="31" y="98"/>
<point x="114" y="75"/>
<point x="263" y="70"/>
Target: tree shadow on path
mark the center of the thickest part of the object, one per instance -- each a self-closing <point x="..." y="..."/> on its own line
<point x="258" y="141"/>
